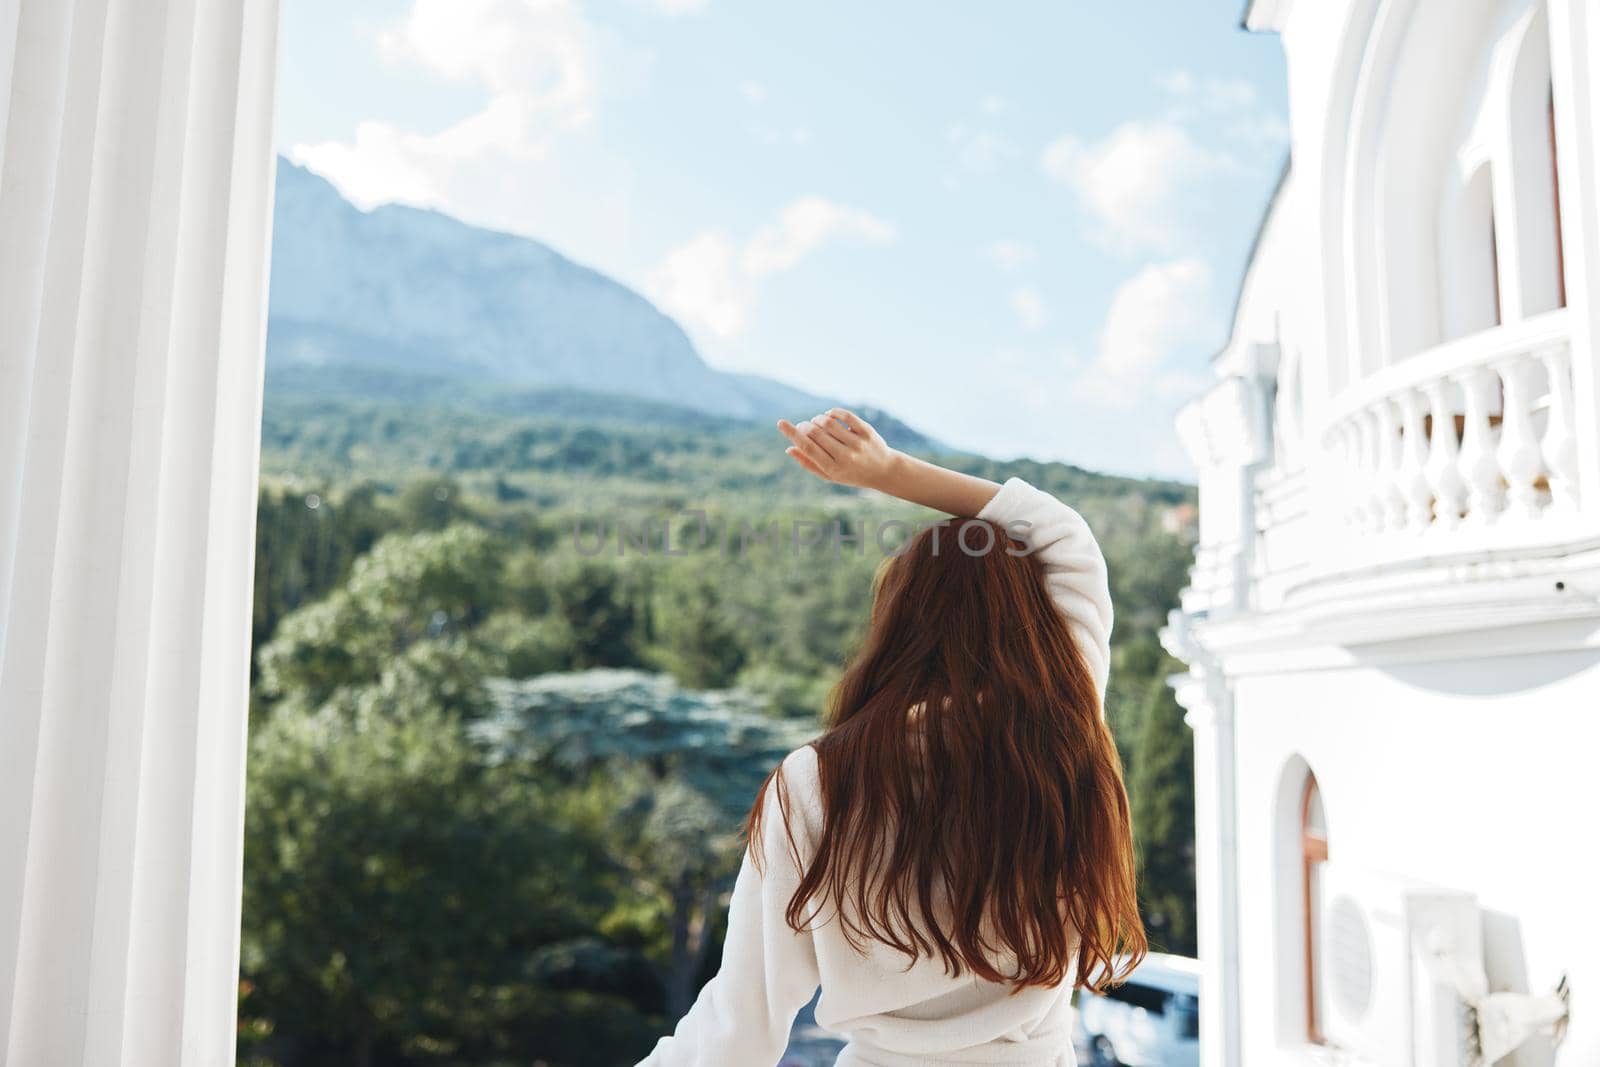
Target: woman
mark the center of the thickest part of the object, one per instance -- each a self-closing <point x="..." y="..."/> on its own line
<point x="953" y="854"/>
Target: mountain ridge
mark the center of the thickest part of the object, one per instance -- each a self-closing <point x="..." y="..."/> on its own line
<point x="413" y="291"/>
<point x="404" y="390"/>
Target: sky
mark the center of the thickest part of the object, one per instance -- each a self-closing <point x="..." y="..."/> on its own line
<point x="1019" y="227"/>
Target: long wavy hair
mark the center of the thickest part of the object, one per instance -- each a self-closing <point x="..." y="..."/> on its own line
<point x="972" y="795"/>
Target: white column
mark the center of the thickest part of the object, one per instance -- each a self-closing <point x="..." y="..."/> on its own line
<point x="1574" y="42"/>
<point x="1204" y="694"/>
<point x="135" y="204"/>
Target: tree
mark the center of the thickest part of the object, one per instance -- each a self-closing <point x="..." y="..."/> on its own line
<point x="432" y="504"/>
<point x="1162" y="787"/>
<point x="593" y="598"/>
<point x="306" y="540"/>
<point x="528" y="646"/>
<point x="404" y="619"/>
<point x="1135" y="662"/>
<point x="694" y="639"/>
<point x="685" y="766"/>
<point x="399" y="890"/>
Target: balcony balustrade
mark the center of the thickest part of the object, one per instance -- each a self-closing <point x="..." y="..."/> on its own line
<point x="1476" y="436"/>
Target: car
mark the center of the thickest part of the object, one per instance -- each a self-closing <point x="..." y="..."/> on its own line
<point x="1151" y="1020"/>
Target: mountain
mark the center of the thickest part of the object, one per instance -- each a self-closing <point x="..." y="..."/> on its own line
<point x="401" y="300"/>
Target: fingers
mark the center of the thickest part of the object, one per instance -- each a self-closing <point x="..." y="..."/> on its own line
<point x="800" y="458"/>
<point x="804" y="438"/>
<point x="857" y="424"/>
<point x="836" y="433"/>
<point x="820" y="441"/>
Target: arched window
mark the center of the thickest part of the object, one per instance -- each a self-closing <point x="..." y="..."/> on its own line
<point x="1535" y="191"/>
<point x="1470" y="256"/>
<point x="1555" y="196"/>
<point x="1450" y="227"/>
<point x="1313" y="854"/>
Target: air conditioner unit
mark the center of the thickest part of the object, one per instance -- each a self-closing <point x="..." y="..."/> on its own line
<point x="1389" y="952"/>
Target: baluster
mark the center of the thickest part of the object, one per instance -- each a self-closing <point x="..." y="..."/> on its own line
<point x="1337" y="448"/>
<point x="1412" y="480"/>
<point x="1479" y="466"/>
<point x="1351" y="432"/>
<point x="1350" y="438"/>
<point x="1444" y="456"/>
<point x="1392" y="501"/>
<point x="1368" y="496"/>
<point x="1518" y="454"/>
<point x="1560" y="445"/>
<point x="1351" y="472"/>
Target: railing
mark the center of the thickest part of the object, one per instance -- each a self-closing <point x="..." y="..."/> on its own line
<point x="1216" y="579"/>
<point x="1468" y="434"/>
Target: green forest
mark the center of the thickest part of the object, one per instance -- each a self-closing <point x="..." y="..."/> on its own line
<point x="518" y="673"/>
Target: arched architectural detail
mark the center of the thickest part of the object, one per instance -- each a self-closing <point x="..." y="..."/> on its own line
<point x="1335" y="165"/>
<point x="1301" y="832"/>
<point x="1404" y="191"/>
<point x="1469" y="254"/>
<point x="1399" y="167"/>
<point x="1359" y="251"/>
<point x="1313" y="855"/>
<point x="1533" y="195"/>
<point x="1451" y="223"/>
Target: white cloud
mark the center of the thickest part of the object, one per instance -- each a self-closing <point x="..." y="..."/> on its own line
<point x="1260" y="132"/>
<point x="711" y="282"/>
<point x="979" y="150"/>
<point x="1131" y="182"/>
<point x="538" y="50"/>
<point x="802" y="227"/>
<point x="1234" y="107"/>
<point x="1196" y="94"/>
<point x="754" y="93"/>
<point x="543" y="67"/>
<point x="1153" y="316"/>
<point x="1178" y="83"/>
<point x="701" y="284"/>
<point x="1030" y="307"/>
<point x="1009" y="255"/>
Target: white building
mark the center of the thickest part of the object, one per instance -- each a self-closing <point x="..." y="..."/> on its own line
<point x="1393" y="623"/>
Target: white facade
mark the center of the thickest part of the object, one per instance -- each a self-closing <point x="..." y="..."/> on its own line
<point x="1397" y="587"/>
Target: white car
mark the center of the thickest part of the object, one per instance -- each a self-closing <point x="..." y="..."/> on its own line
<point x="1152" y="1020"/>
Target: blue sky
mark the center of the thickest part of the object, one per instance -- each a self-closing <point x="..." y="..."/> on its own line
<point x="1020" y="227"/>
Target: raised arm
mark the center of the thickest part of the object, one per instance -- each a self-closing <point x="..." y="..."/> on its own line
<point x="1074" y="567"/>
<point x="842" y="447"/>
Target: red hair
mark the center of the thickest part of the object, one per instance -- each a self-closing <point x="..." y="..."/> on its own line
<point x="972" y="796"/>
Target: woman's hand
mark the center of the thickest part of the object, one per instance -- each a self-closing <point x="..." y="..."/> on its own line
<point x="841" y="447"/>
